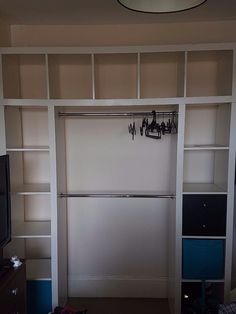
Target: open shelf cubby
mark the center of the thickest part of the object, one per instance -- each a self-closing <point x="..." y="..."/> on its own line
<point x="205" y="171"/>
<point x="209" y="73"/>
<point x="70" y="76"/>
<point x="24" y="76"/>
<point x="115" y="76"/>
<point x="36" y="252"/>
<point x="207" y="126"/>
<point x="162" y="74"/>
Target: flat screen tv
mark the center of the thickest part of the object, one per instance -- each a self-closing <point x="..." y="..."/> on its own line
<point x="5" y="201"/>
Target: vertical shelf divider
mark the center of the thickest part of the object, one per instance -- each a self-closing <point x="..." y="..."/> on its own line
<point x="176" y="258"/>
<point x="138" y="75"/>
<point x="47" y="77"/>
<point x="2" y="115"/>
<point x="185" y="72"/>
<point x="230" y="203"/>
<point x="54" y="216"/>
<point x="93" y="77"/>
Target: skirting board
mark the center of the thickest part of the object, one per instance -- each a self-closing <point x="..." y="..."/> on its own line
<point x="115" y="286"/>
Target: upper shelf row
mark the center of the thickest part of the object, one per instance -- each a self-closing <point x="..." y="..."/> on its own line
<point x="118" y="75"/>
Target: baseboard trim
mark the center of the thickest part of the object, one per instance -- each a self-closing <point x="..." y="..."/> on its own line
<point x="114" y="286"/>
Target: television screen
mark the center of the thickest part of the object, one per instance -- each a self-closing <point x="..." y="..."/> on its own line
<point x="5" y="201"/>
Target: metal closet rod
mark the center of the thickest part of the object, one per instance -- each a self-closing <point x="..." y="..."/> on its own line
<point x="115" y="114"/>
<point x="116" y="195"/>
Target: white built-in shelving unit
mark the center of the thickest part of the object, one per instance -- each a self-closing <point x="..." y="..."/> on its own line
<point x="197" y="81"/>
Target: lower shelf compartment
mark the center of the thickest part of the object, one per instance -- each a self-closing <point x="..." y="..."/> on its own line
<point x="38" y="269"/>
<point x="202" y="297"/>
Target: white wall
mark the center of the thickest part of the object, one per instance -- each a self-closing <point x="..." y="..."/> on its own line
<point x="117" y="247"/>
<point x="115" y="35"/>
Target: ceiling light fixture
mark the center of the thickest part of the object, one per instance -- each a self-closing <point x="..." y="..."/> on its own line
<point x="160" y="6"/>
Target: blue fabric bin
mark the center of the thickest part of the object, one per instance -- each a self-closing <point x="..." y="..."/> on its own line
<point x="203" y="259"/>
<point x="39" y="296"/>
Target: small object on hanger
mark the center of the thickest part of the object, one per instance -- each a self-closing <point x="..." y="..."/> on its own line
<point x="144" y="125"/>
<point x="163" y="127"/>
<point x="153" y="130"/>
<point x="168" y="126"/>
<point x="132" y="129"/>
<point x="173" y="124"/>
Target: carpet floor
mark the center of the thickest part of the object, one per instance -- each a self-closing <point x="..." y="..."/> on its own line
<point x="120" y="305"/>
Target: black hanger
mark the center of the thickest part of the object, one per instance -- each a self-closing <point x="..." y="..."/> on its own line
<point x="153" y="130"/>
<point x="132" y="130"/>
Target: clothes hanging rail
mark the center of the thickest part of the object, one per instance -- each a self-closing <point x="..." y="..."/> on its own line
<point x="115" y="114"/>
<point x="116" y="195"/>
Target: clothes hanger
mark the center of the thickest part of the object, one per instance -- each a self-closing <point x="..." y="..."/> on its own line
<point x="153" y="130"/>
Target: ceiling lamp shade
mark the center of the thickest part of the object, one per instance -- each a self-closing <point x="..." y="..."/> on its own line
<point x="160" y="6"/>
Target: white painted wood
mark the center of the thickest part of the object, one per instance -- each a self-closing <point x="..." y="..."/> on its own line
<point x="138" y="76"/>
<point x="93" y="77"/>
<point x="118" y="102"/>
<point x="203" y="237"/>
<point x="47" y="77"/>
<point x="2" y="131"/>
<point x="230" y="203"/>
<point x="175" y="258"/>
<point x="1" y="78"/>
<point x="29" y="149"/>
<point x="205" y="147"/>
<point x="185" y="73"/>
<point x="54" y="215"/>
<point x="58" y="208"/>
<point x="116" y="49"/>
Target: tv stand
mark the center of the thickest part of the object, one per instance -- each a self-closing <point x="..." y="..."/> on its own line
<point x="12" y="289"/>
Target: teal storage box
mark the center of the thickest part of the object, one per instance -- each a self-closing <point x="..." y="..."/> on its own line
<point x="39" y="296"/>
<point x="203" y="259"/>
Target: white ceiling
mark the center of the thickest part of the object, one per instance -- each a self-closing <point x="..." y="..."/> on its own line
<point x="104" y="12"/>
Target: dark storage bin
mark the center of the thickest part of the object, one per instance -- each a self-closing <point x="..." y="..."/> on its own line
<point x="204" y="215"/>
<point x="201" y="297"/>
<point x="203" y="259"/>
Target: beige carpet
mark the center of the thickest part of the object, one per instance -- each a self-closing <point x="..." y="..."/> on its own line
<point x="121" y="305"/>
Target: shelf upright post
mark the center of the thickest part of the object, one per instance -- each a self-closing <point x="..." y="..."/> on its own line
<point x="93" y="77"/>
<point x="2" y="115"/>
<point x="230" y="204"/>
<point x="175" y="227"/>
<point x="53" y="199"/>
<point x="138" y="75"/>
<point x="47" y="77"/>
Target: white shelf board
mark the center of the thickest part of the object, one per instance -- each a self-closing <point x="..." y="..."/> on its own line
<point x="208" y="280"/>
<point x="202" y="188"/>
<point x="32" y="189"/>
<point x="33" y="229"/>
<point x="205" y="147"/>
<point x="38" y="269"/>
<point x="28" y="149"/>
<point x="204" y="237"/>
<point x="118" y="102"/>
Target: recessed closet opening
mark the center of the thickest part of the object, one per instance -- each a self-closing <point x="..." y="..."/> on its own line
<point x="117" y="246"/>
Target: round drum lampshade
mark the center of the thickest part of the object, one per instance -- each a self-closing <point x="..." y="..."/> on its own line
<point x="160" y="6"/>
